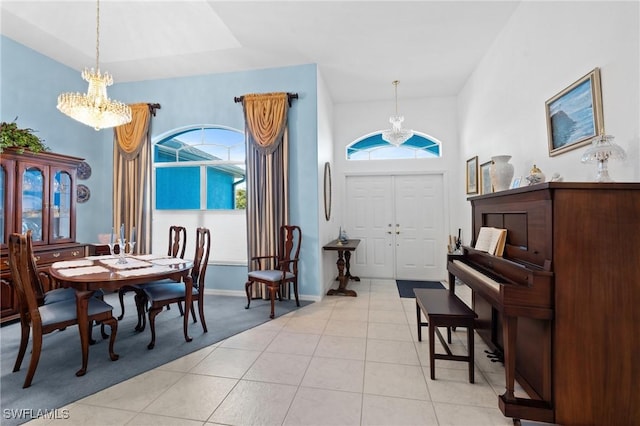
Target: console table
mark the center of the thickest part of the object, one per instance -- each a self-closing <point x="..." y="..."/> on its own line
<point x="344" y="250"/>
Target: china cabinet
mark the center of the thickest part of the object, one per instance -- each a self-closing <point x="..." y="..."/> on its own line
<point x="37" y="193"/>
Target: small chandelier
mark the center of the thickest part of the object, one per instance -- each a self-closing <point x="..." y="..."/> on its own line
<point x="396" y="135"/>
<point x="94" y="108"/>
<point x="602" y="150"/>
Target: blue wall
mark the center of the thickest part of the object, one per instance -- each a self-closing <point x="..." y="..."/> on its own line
<point x="31" y="82"/>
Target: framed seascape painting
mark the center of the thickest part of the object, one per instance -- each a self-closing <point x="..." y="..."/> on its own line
<point x="485" y="178"/>
<point x="574" y="116"/>
<point x="472" y="175"/>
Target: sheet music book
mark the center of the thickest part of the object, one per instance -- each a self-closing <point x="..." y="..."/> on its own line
<point x="492" y="240"/>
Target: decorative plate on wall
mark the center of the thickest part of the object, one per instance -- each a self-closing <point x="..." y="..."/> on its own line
<point x="84" y="170"/>
<point x="83" y="193"/>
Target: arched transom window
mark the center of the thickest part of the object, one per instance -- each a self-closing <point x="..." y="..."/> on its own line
<point x="372" y="147"/>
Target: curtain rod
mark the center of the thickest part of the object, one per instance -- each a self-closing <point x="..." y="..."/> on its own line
<point x="153" y="108"/>
<point x="290" y="96"/>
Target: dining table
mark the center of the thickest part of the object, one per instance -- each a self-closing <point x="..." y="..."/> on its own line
<point x="112" y="272"/>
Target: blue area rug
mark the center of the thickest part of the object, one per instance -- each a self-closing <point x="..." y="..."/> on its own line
<point x="55" y="384"/>
<point x="405" y="287"/>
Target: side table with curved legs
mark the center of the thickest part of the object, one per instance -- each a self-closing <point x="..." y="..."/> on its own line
<point x="344" y="256"/>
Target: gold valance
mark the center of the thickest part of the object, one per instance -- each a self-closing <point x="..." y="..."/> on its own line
<point x="266" y="119"/>
<point x="130" y="136"/>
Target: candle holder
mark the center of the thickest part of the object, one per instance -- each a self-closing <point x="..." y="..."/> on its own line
<point x="122" y="243"/>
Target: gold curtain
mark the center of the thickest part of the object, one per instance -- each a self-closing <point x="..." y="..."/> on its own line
<point x="266" y="119"/>
<point x="267" y="145"/>
<point x="132" y="177"/>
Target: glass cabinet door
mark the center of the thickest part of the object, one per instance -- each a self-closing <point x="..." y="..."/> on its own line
<point x="33" y="181"/>
<point x="61" y="205"/>
<point x="3" y="203"/>
<point x="7" y="184"/>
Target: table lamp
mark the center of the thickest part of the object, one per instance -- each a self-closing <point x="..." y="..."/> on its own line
<point x="602" y="150"/>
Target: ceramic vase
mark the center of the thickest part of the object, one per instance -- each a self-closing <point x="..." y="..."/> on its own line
<point x="501" y="172"/>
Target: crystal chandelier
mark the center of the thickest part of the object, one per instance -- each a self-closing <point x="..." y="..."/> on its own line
<point x="602" y="150"/>
<point x="94" y="108"/>
<point x="396" y="135"/>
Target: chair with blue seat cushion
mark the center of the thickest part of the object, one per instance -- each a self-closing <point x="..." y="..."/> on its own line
<point x="157" y="295"/>
<point x="46" y="318"/>
<point x="42" y="280"/>
<point x="283" y="268"/>
<point x="177" y="246"/>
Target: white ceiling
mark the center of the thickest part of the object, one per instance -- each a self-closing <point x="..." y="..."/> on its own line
<point x="359" y="46"/>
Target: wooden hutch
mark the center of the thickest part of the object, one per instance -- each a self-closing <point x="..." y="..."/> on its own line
<point x="37" y="193"/>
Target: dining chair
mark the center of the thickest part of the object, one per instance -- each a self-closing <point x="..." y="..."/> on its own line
<point x="157" y="295"/>
<point x="177" y="246"/>
<point x="48" y="317"/>
<point x="282" y="267"/>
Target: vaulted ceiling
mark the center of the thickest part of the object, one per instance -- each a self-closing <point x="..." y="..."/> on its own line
<point x="360" y="46"/>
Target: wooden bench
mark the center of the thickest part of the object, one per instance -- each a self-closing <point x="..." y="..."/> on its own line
<point x="444" y="309"/>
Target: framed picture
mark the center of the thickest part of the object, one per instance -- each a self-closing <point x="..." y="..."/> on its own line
<point x="574" y="116"/>
<point x="472" y="175"/>
<point x="485" y="178"/>
<point x="515" y="182"/>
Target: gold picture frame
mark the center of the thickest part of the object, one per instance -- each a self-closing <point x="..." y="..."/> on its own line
<point x="472" y="175"/>
<point x="574" y="116"/>
<point x="485" y="178"/>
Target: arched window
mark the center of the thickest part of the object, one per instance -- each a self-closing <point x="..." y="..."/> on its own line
<point x="372" y="147"/>
<point x="200" y="168"/>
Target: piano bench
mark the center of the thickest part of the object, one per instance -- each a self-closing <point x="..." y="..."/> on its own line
<point x="444" y="309"/>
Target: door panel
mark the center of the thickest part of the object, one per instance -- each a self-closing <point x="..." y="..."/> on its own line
<point x="420" y="238"/>
<point x="369" y="212"/>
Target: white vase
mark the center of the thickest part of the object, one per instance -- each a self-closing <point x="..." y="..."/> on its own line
<point x="501" y="172"/>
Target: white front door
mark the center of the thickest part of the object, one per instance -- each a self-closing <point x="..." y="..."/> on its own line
<point x="400" y="222"/>
<point x="369" y="217"/>
<point x="420" y="236"/>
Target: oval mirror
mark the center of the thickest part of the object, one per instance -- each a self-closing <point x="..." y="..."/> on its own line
<point x="327" y="191"/>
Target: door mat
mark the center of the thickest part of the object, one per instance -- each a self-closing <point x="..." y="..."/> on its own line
<point x="405" y="287"/>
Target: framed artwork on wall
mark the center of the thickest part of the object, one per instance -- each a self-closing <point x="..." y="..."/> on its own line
<point x="485" y="178"/>
<point x="574" y="116"/>
<point x="472" y="175"/>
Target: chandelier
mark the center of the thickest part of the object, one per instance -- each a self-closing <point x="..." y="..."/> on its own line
<point x="602" y="150"/>
<point x="396" y="135"/>
<point x="94" y="108"/>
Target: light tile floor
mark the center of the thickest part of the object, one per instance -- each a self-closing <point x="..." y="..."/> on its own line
<point x="343" y="361"/>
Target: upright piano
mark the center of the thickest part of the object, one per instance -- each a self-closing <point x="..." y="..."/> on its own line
<point x="562" y="306"/>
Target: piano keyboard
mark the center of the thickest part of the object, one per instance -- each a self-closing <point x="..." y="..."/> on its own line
<point x="482" y="277"/>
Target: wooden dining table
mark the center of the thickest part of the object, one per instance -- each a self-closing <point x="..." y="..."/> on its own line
<point x="109" y="273"/>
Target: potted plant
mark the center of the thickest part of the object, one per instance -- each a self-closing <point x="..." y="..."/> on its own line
<point x="20" y="139"/>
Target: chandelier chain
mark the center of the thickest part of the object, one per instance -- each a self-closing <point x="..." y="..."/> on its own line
<point x="395" y="84"/>
<point x="97" y="35"/>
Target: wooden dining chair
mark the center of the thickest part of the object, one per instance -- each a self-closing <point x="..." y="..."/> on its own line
<point x="275" y="271"/>
<point x="157" y="295"/>
<point x="48" y="317"/>
<point x="177" y="247"/>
